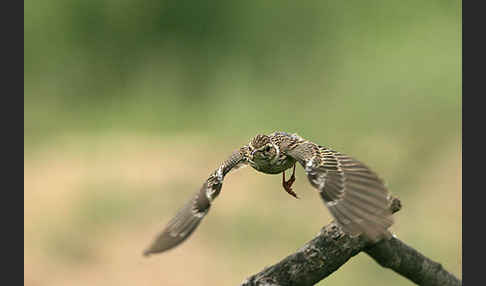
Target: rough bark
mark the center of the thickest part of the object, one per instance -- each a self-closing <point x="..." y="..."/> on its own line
<point x="410" y="263"/>
<point x="331" y="248"/>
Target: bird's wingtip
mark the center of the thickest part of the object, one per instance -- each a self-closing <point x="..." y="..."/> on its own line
<point x="147" y="252"/>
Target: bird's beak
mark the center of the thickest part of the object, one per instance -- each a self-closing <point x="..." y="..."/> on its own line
<point x="252" y="153"/>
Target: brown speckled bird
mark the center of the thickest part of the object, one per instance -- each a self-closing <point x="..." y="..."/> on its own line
<point x="354" y="194"/>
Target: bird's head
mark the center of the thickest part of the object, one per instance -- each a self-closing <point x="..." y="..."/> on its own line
<point x="262" y="151"/>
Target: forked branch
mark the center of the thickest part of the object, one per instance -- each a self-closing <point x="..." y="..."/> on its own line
<point x="331" y="248"/>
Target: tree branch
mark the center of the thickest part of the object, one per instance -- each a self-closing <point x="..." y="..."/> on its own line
<point x="331" y="248"/>
<point x="410" y="263"/>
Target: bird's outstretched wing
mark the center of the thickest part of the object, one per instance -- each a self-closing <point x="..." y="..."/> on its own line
<point x="355" y="195"/>
<point x="183" y="224"/>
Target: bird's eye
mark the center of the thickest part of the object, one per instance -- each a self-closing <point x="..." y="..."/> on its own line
<point x="267" y="148"/>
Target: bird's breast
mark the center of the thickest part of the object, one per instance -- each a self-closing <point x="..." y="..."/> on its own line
<point x="269" y="167"/>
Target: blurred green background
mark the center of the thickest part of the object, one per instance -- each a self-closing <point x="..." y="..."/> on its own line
<point x="129" y="105"/>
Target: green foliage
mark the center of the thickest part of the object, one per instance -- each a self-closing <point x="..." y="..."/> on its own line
<point x="316" y="67"/>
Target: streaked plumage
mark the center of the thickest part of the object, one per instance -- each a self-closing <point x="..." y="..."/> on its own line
<point x="355" y="195"/>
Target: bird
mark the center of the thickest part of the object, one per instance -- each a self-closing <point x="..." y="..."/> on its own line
<point x="355" y="196"/>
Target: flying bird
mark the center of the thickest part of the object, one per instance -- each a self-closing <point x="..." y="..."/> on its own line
<point x="356" y="197"/>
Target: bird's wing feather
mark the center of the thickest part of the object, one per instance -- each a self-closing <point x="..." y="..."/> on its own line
<point x="183" y="224"/>
<point x="354" y="194"/>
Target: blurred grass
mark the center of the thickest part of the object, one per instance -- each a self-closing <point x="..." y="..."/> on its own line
<point x="80" y="220"/>
<point x="130" y="105"/>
